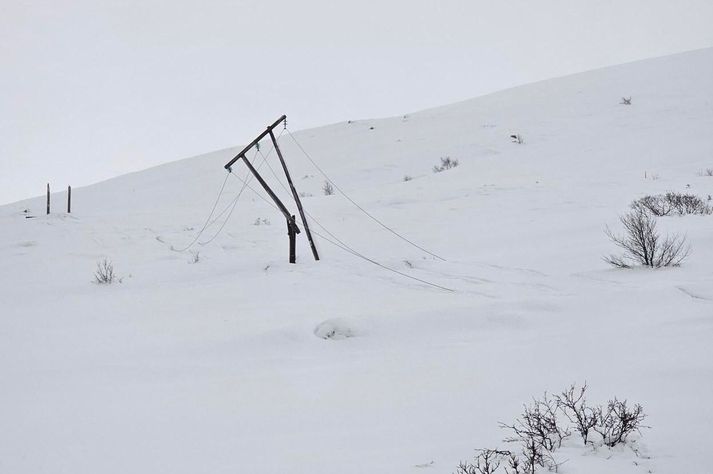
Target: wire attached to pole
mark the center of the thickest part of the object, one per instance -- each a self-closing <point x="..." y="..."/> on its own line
<point x="372" y="217"/>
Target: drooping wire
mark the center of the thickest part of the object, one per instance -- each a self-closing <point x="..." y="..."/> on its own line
<point x="232" y="208"/>
<point x="341" y="244"/>
<point x="367" y="213"/>
<point x="256" y="192"/>
<point x="234" y="203"/>
<point x="207" y="221"/>
<point x="374" y="262"/>
<point x="249" y="176"/>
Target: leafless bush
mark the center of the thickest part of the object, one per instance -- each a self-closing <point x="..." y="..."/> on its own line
<point x="515" y="465"/>
<point x="539" y="434"/>
<point x="573" y="405"/>
<point x="617" y="421"/>
<point x="486" y="462"/>
<point x="407" y="178"/>
<point x="706" y="172"/>
<point x="643" y="245"/>
<point x="446" y="164"/>
<point x="673" y="203"/>
<point x="656" y="205"/>
<point x="539" y="422"/>
<point x="328" y="188"/>
<point x="105" y="272"/>
<point x="625" y="101"/>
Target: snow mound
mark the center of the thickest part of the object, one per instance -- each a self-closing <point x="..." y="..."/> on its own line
<point x="336" y="328"/>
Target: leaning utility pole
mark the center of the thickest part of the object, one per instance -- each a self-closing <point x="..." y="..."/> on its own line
<point x="292" y="229"/>
<point x="296" y="196"/>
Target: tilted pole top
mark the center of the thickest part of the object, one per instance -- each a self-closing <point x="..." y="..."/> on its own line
<point x="254" y="142"/>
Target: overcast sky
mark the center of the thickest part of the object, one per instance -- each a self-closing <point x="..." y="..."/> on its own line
<point x="93" y="89"/>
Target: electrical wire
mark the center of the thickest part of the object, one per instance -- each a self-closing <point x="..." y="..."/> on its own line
<point x="234" y="203"/>
<point x="206" y="224"/>
<point x="343" y="245"/>
<point x="339" y="243"/>
<point x="372" y="217"/>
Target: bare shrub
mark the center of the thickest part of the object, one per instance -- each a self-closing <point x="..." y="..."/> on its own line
<point x="539" y="434"/>
<point x="673" y="203"/>
<point x="643" y="245"/>
<point x="515" y="465"/>
<point x="656" y="205"/>
<point x="625" y="101"/>
<point x="706" y="172"/>
<point x="327" y="188"/>
<point x="617" y="421"/>
<point x="486" y="462"/>
<point x="446" y="164"/>
<point x="104" y="274"/>
<point x="539" y="422"/>
<point x="517" y="138"/>
<point x="573" y="405"/>
<point x="407" y="178"/>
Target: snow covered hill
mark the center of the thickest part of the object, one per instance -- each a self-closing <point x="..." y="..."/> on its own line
<point x="213" y="360"/>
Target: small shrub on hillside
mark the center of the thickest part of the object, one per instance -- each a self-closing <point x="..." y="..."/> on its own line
<point x="616" y="421"/>
<point x="625" y="101"/>
<point x="673" y="203"/>
<point x="706" y="172"/>
<point x="573" y="405"/>
<point x="328" y="189"/>
<point x="539" y="432"/>
<point x="446" y="164"/>
<point x="104" y="274"/>
<point x="539" y="422"/>
<point x="407" y="178"/>
<point x="643" y="245"/>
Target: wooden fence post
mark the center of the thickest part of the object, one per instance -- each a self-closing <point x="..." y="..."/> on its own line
<point x="69" y="199"/>
<point x="48" y="198"/>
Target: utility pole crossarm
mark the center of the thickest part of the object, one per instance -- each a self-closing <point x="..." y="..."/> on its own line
<point x="254" y="142"/>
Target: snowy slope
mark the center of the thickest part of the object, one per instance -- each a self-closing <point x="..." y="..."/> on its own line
<point x="215" y="367"/>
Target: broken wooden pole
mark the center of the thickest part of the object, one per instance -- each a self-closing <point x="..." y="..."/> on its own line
<point x="293" y="237"/>
<point x="296" y="196"/>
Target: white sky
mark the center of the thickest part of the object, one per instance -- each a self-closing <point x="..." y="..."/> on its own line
<point x="92" y="89"/>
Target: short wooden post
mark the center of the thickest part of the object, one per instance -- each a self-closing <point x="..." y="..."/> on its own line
<point x="69" y="199"/>
<point x="292" y="234"/>
<point x="48" y="198"/>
